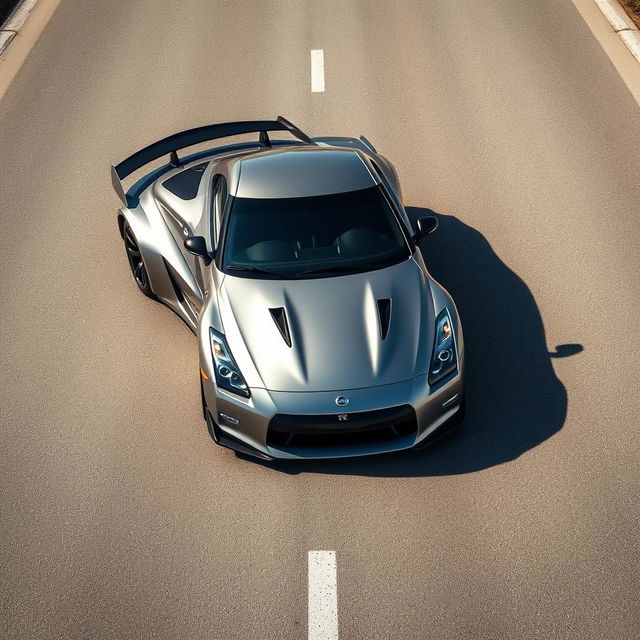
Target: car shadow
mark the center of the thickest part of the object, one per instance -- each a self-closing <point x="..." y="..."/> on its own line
<point x="514" y="399"/>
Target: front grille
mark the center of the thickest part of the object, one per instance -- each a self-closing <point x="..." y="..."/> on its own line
<point x="364" y="427"/>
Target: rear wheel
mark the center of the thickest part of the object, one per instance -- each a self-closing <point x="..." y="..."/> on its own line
<point x="134" y="255"/>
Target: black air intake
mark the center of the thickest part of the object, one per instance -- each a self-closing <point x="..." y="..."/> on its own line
<point x="384" y="316"/>
<point x="279" y="316"/>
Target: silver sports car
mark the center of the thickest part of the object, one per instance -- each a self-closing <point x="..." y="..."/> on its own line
<point x="321" y="332"/>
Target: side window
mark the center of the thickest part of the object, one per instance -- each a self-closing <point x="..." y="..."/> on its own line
<point x="218" y="201"/>
<point x="185" y="184"/>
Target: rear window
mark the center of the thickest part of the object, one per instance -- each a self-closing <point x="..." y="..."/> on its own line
<point x="186" y="183"/>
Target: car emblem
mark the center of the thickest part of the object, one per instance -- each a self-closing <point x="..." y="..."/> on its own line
<point x="342" y="401"/>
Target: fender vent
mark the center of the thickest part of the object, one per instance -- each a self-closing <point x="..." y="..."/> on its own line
<point x="279" y="316"/>
<point x="384" y="316"/>
<point x="172" y="278"/>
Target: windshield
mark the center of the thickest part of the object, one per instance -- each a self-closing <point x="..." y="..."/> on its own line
<point x="324" y="235"/>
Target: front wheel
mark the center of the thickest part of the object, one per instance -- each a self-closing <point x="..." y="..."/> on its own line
<point x="134" y="255"/>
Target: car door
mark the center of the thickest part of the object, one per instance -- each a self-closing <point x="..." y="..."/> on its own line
<point x="208" y="228"/>
<point x="183" y="206"/>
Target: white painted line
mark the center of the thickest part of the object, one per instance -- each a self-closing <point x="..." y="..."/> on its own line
<point x="632" y="40"/>
<point x="323" y="596"/>
<point x="317" y="70"/>
<point x="5" y="38"/>
<point x="622" y="24"/>
<point x="616" y="15"/>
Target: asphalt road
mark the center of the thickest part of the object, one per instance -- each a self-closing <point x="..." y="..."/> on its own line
<point x="119" y="517"/>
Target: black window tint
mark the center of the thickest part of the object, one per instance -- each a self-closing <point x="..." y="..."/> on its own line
<point x="355" y="230"/>
<point x="185" y="184"/>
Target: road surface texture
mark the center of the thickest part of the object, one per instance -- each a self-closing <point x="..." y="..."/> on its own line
<point x="120" y="518"/>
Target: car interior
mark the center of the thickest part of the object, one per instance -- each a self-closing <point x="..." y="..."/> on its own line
<point x="273" y="235"/>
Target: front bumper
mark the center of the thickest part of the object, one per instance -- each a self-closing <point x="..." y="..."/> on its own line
<point x="378" y="419"/>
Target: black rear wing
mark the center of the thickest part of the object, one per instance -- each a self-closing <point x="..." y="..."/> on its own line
<point x="173" y="143"/>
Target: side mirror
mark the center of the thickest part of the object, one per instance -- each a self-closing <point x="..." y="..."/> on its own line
<point x="425" y="226"/>
<point x="197" y="246"/>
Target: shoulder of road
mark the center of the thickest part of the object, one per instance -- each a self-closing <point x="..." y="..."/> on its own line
<point x="14" y="22"/>
<point x="18" y="35"/>
<point x="618" y="18"/>
<point x="622" y="24"/>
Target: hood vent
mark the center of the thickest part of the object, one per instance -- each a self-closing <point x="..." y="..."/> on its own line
<point x="279" y="316"/>
<point x="384" y="316"/>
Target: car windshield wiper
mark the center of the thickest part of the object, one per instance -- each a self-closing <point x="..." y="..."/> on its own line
<point x="338" y="268"/>
<point x="237" y="267"/>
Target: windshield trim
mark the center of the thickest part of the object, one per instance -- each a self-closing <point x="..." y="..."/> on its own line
<point x="408" y="236"/>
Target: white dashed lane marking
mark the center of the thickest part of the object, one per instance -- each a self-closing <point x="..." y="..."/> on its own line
<point x="323" y="596"/>
<point x="317" y="70"/>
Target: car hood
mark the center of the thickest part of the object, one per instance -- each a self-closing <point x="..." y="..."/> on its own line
<point x="335" y="327"/>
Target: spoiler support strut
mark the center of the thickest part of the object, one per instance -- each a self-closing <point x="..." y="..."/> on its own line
<point x="173" y="143"/>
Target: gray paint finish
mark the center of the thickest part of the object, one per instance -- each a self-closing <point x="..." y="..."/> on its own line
<point x="336" y="342"/>
<point x="334" y="322"/>
<point x="301" y="172"/>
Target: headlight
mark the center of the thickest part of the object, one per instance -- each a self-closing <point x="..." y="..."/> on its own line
<point x="227" y="373"/>
<point x="444" y="359"/>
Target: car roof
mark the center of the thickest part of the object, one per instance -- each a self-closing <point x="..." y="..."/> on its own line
<point x="302" y="171"/>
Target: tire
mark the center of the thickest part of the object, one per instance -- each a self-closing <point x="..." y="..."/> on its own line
<point x="136" y="262"/>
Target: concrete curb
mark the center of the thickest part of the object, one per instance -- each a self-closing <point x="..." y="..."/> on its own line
<point x="622" y="25"/>
<point x="15" y="21"/>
